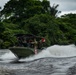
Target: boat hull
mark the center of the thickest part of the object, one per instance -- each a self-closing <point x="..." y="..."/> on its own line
<point x="22" y="52"/>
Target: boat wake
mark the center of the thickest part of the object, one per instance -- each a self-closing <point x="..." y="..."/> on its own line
<point x="56" y="51"/>
<point x="7" y="57"/>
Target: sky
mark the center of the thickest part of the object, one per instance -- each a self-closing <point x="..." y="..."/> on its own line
<point x="65" y="6"/>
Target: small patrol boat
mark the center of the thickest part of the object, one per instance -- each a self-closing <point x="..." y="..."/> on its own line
<point x="28" y="44"/>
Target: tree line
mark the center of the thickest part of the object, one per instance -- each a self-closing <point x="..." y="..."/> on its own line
<point x="36" y="17"/>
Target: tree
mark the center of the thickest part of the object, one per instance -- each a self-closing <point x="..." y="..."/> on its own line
<point x="53" y="11"/>
<point x="44" y="25"/>
<point x="22" y="9"/>
<point x="2" y="28"/>
<point x="17" y="10"/>
<point x="70" y="18"/>
<point x="67" y="24"/>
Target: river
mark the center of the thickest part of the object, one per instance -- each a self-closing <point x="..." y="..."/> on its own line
<point x="54" y="60"/>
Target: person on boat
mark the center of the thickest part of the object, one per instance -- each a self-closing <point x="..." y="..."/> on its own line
<point x="20" y="41"/>
<point x="35" y="46"/>
<point x="29" y="43"/>
<point x="38" y="44"/>
<point x="41" y="43"/>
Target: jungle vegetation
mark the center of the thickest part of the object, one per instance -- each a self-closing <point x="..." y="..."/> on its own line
<point x="36" y="17"/>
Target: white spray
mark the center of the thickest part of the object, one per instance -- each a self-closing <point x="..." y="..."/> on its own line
<point x="8" y="56"/>
<point x="55" y="51"/>
<point x="52" y="51"/>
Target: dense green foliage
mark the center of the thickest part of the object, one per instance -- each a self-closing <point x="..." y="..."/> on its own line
<point x="35" y="17"/>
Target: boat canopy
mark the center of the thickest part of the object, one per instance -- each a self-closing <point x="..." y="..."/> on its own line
<point x="28" y="36"/>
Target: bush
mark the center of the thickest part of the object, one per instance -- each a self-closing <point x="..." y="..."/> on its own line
<point x="6" y="44"/>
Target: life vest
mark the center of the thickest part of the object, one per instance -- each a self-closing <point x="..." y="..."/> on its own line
<point x="43" y="39"/>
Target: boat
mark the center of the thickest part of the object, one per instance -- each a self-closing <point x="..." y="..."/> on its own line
<point x="28" y="44"/>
